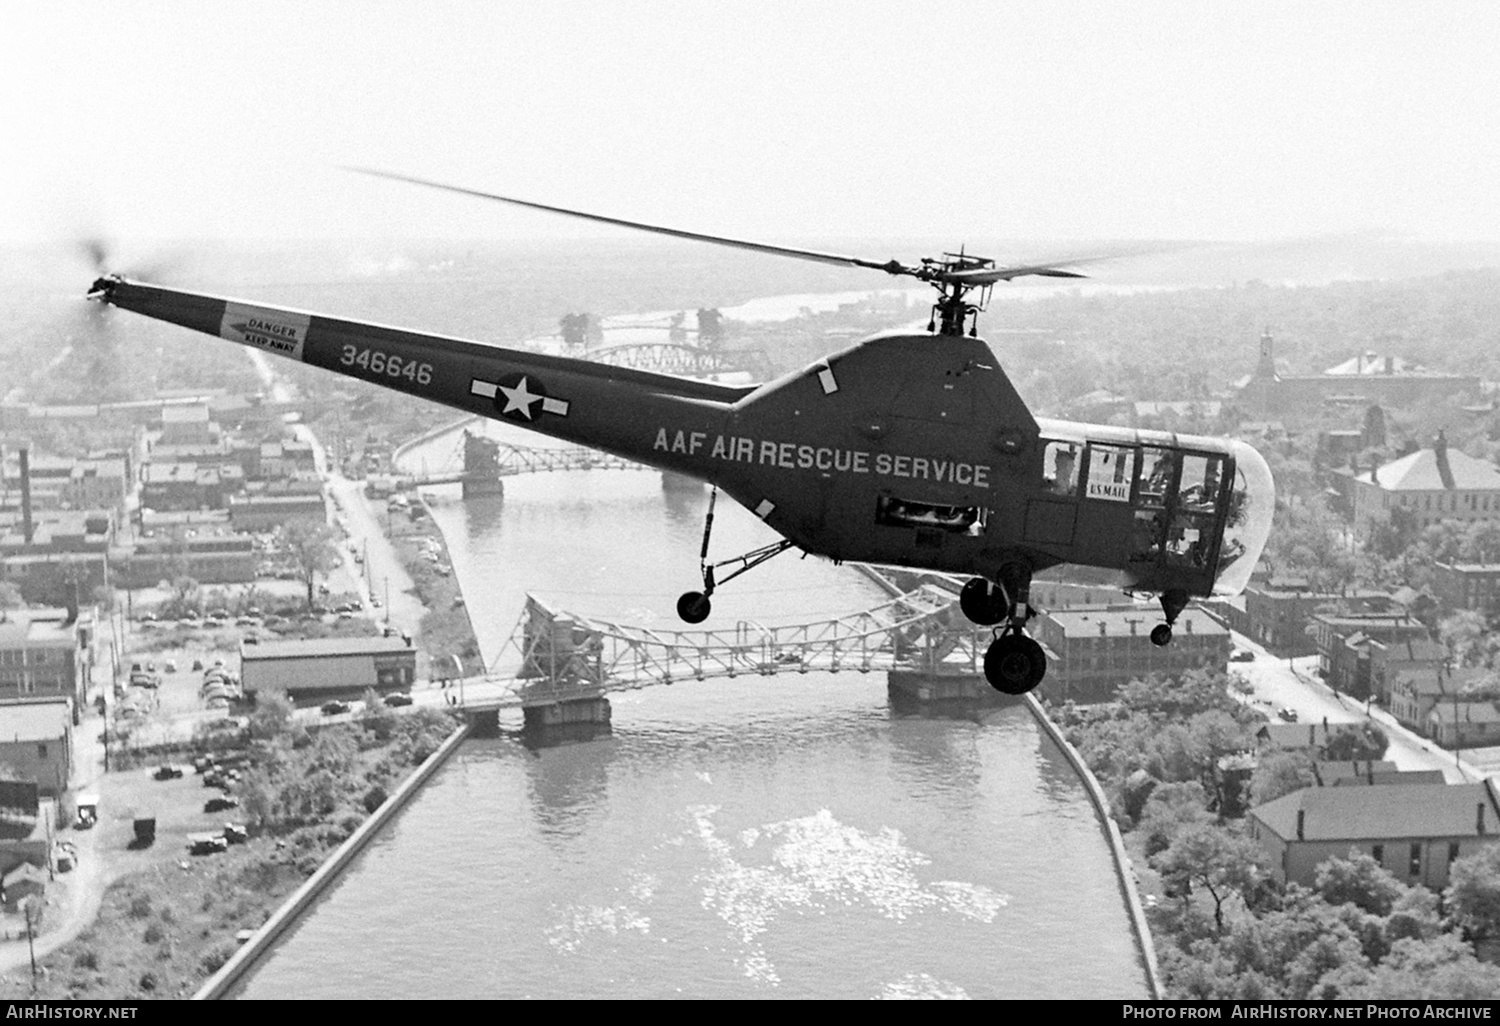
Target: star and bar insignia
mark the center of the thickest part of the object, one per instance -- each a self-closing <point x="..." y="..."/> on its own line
<point x="516" y="397"/>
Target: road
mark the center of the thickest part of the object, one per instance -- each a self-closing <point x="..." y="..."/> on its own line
<point x="1293" y="684"/>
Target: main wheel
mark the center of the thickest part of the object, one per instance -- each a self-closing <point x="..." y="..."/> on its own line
<point x="694" y="607"/>
<point x="983" y="602"/>
<point x="1161" y="635"/>
<point x="1014" y="664"/>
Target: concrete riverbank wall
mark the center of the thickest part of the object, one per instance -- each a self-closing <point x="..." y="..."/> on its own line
<point x="263" y="940"/>
<point x="1123" y="873"/>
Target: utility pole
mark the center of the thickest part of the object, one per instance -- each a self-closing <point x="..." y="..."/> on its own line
<point x="30" y="906"/>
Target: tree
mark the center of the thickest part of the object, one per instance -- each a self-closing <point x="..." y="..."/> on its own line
<point x="10" y="596"/>
<point x="1464" y="634"/>
<point x="1223" y="863"/>
<point x="1360" y="881"/>
<point x="1171" y="809"/>
<point x="1473" y="893"/>
<point x="1442" y="967"/>
<point x="273" y="712"/>
<point x="313" y="551"/>
<point x="1279" y="773"/>
<point x="1348" y="743"/>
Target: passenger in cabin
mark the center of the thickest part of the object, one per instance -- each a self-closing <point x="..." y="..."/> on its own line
<point x="1064" y="479"/>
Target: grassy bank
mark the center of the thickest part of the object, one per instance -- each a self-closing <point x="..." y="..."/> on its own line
<point x="445" y="629"/>
<point x="172" y="919"/>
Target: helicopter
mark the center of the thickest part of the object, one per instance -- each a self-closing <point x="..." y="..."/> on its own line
<point x="908" y="448"/>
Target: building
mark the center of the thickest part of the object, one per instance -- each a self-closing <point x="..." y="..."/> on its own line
<point x="1464" y="723"/>
<point x="1095" y="650"/>
<point x="46" y="653"/>
<point x="1368" y="378"/>
<point x="187" y="424"/>
<point x="1428" y="486"/>
<point x="328" y="667"/>
<point x="1415" y="832"/>
<point x="1278" y="612"/>
<point x="1370" y="773"/>
<point x="267" y="512"/>
<point x="1474" y="586"/>
<point x="36" y="744"/>
<point x="213" y="559"/>
<point x="1413" y="657"/>
<point x="1293" y="736"/>
<point x="1344" y="642"/>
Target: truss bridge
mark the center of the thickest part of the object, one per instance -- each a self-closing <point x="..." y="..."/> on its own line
<point x="480" y="463"/>
<point x="684" y="360"/>
<point x="553" y="656"/>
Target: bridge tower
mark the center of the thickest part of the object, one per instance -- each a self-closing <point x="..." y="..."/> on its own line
<point x="562" y="660"/>
<point x="481" y="466"/>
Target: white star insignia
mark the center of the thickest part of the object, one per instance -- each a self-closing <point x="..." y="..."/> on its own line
<point x="518" y="398"/>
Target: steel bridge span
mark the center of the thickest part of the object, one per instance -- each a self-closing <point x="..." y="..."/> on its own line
<point x="555" y="657"/>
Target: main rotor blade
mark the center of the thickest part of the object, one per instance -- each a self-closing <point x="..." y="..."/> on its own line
<point x="889" y="266"/>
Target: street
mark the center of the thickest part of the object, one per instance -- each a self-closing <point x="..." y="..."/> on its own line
<point x="1293" y="684"/>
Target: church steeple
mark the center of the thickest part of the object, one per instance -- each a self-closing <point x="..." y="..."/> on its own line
<point x="1266" y="368"/>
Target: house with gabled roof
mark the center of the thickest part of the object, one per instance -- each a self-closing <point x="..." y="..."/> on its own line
<point x="1429" y="485"/>
<point x="1464" y="723"/>
<point x="1293" y="736"/>
<point x="1413" y="832"/>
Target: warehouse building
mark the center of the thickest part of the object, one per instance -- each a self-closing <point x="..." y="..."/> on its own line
<point x="328" y="667"/>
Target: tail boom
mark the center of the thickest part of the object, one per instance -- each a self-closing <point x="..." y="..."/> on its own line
<point x="615" y="409"/>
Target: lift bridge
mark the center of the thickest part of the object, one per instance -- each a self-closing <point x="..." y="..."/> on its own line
<point x="555" y="658"/>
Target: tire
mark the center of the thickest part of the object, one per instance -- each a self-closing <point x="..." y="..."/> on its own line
<point x="1014" y="664"/>
<point x="694" y="607"/>
<point x="982" y="602"/>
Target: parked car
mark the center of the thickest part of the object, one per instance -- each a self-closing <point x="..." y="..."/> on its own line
<point x="207" y="844"/>
<point x="398" y="698"/>
<point x="235" y="833"/>
<point x="1287" y="713"/>
<point x="1241" y="655"/>
<point x="335" y="707"/>
<point x="221" y="802"/>
<point x="197" y="664"/>
<point x="170" y="666"/>
<point x="167" y="771"/>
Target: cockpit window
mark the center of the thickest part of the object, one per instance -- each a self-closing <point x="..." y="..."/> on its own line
<point x="1156" y="476"/>
<point x="1198" y="488"/>
<point x="1247" y="520"/>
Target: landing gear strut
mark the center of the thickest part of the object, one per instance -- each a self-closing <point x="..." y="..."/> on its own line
<point x="1172" y="604"/>
<point x="694" y="606"/>
<point x="1014" y="662"/>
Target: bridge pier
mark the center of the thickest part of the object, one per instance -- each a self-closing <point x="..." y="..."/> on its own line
<point x="574" y="710"/>
<point x="674" y="482"/>
<point x="483" y="722"/>
<point x="577" y="719"/>
<point x="909" y="687"/>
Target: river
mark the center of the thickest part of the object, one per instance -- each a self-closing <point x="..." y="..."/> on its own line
<point x="785" y="837"/>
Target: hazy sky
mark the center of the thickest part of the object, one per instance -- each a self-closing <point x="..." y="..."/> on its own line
<point x="1124" y="119"/>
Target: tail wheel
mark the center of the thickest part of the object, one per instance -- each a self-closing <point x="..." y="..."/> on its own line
<point x="983" y="602"/>
<point x="1014" y="664"/>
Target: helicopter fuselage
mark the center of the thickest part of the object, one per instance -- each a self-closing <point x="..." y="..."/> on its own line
<point x="906" y="449"/>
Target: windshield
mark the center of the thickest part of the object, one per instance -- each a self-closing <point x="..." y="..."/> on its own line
<point x="1247" y="524"/>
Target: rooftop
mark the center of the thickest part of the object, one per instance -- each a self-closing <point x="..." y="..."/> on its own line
<point x="48" y="628"/>
<point x="324" y="648"/>
<point x="1420" y="472"/>
<point x="1116" y="621"/>
<point x="33" y="721"/>
<point x="1379" y="813"/>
